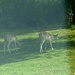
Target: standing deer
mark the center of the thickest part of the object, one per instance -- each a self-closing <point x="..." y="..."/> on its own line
<point x="8" y="40"/>
<point x="44" y="36"/>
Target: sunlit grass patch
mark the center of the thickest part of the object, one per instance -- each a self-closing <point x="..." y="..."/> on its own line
<point x="29" y="35"/>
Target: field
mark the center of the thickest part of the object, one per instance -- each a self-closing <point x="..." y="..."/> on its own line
<point x="29" y="61"/>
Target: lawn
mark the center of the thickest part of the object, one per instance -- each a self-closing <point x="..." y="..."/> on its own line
<point x="29" y="61"/>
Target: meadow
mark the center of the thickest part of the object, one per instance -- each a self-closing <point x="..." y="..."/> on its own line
<point x="29" y="61"/>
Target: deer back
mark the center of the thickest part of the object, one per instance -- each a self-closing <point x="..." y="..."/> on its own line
<point x="10" y="37"/>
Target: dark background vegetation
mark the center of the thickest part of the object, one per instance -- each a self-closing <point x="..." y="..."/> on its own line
<point x="36" y="13"/>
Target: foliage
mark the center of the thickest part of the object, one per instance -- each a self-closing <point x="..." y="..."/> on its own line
<point x="72" y="27"/>
<point x="21" y="13"/>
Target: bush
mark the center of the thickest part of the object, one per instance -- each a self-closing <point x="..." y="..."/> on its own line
<point x="72" y="27"/>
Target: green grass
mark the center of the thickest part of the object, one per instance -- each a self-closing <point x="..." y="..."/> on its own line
<point x="43" y="64"/>
<point x="29" y="61"/>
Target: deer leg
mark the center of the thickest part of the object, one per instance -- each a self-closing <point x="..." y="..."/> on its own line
<point x="41" y="46"/>
<point x="4" y="47"/>
<point x="41" y="50"/>
<point x="51" y="45"/>
<point x="8" y="45"/>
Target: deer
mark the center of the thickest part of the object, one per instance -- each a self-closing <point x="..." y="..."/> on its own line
<point x="8" y="40"/>
<point x="45" y="36"/>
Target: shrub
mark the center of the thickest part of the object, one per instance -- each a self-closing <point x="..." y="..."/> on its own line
<point x="72" y="27"/>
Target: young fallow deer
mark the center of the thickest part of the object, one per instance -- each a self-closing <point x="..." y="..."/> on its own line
<point x="8" y="40"/>
<point x="45" y="36"/>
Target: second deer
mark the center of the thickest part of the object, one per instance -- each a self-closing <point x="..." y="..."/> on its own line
<point x="45" y="36"/>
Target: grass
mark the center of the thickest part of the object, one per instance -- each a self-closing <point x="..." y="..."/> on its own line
<point x="42" y="64"/>
<point x="29" y="61"/>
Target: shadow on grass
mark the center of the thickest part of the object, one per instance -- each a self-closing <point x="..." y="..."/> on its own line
<point x="29" y="50"/>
